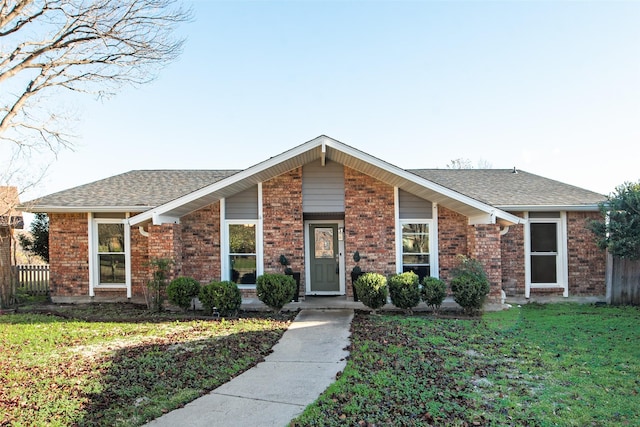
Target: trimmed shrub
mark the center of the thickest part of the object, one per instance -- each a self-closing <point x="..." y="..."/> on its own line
<point x="404" y="290"/>
<point x="469" y="284"/>
<point x="275" y="290"/>
<point x="182" y="290"/>
<point x="372" y="290"/>
<point x="223" y="296"/>
<point x="433" y="292"/>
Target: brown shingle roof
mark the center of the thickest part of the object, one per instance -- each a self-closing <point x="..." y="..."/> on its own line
<point x="502" y="187"/>
<point x="150" y="188"/>
<point x="144" y="188"/>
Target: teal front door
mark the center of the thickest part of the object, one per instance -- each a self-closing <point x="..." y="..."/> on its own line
<point x="324" y="258"/>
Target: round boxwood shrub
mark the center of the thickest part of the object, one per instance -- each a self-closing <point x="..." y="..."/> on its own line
<point x="275" y="290"/>
<point x="469" y="284"/>
<point x="372" y="290"/>
<point x="224" y="296"/>
<point x="182" y="290"/>
<point x="404" y="289"/>
<point x="433" y="292"/>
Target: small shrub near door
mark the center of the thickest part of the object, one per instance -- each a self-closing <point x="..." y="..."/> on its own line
<point x="404" y="290"/>
<point x="224" y="296"/>
<point x="275" y="290"/>
<point x="469" y="284"/>
<point x="182" y="290"/>
<point x="433" y="292"/>
<point x="372" y="290"/>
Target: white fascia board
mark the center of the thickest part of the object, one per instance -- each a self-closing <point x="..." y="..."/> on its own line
<point x="388" y="167"/>
<point x="161" y="210"/>
<point x="550" y="208"/>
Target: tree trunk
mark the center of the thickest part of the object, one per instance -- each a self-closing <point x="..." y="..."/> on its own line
<point x="6" y="285"/>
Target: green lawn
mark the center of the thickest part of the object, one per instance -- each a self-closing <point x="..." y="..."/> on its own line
<point x="61" y="372"/>
<point x="566" y="365"/>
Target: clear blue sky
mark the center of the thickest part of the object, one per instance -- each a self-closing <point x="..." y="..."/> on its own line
<point x="552" y="88"/>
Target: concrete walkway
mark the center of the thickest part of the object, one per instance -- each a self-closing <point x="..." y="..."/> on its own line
<point x="303" y="364"/>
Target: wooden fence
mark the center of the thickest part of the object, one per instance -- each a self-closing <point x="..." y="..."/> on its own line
<point x="32" y="279"/>
<point x="623" y="281"/>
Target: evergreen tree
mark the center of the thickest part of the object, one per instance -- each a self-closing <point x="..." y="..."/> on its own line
<point x="619" y="229"/>
<point x="38" y="242"/>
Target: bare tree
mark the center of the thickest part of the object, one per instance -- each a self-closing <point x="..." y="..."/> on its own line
<point x="461" y="163"/>
<point x="48" y="47"/>
<point x="90" y="46"/>
<point x="10" y="219"/>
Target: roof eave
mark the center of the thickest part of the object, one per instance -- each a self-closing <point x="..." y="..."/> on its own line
<point x="82" y="209"/>
<point x="550" y="208"/>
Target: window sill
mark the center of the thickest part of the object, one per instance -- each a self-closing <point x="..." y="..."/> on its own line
<point x="110" y="286"/>
<point x="248" y="287"/>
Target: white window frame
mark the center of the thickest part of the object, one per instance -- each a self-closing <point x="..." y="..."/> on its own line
<point x="562" y="272"/>
<point x="433" y="236"/>
<point x="225" y="268"/>
<point x="94" y="263"/>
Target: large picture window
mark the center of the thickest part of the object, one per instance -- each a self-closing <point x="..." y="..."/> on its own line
<point x="242" y="253"/>
<point x="415" y="248"/>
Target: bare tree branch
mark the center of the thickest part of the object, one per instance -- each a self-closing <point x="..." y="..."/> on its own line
<point x="87" y="46"/>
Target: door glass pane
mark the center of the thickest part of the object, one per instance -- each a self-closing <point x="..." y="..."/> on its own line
<point x="544" y="237"/>
<point x="112" y="268"/>
<point x="543" y="269"/>
<point x="323" y="243"/>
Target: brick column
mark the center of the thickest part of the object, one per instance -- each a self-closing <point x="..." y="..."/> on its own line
<point x="369" y="223"/>
<point x="484" y="245"/>
<point x="165" y="241"/>
<point x="68" y="255"/>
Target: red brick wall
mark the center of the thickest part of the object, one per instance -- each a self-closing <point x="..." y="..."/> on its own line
<point x="513" y="275"/>
<point x="165" y="241"/>
<point x="484" y="245"/>
<point x="201" y="244"/>
<point x="369" y="224"/>
<point x="587" y="263"/>
<point x="452" y="240"/>
<point x="69" y="254"/>
<point x="283" y="223"/>
<point x="140" y="274"/>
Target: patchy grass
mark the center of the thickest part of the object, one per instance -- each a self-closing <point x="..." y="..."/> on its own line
<point x="539" y="365"/>
<point x="86" y="371"/>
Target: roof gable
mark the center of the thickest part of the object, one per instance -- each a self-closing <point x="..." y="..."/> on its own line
<point x="325" y="148"/>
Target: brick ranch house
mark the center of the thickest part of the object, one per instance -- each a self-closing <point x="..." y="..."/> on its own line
<point x="317" y="204"/>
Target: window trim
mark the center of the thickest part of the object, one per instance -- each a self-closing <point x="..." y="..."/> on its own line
<point x="224" y="239"/>
<point x="562" y="273"/>
<point x="94" y="270"/>
<point x="434" y="270"/>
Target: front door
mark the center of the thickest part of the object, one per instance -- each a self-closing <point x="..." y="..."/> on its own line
<point x="324" y="259"/>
